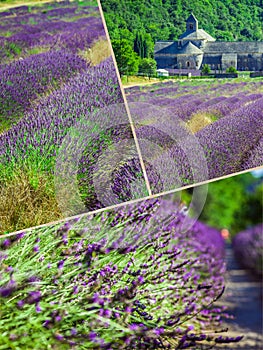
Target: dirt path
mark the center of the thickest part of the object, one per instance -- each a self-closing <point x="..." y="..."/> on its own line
<point x="243" y="296"/>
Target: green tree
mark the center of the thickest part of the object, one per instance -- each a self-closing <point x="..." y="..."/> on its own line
<point x="139" y="44"/>
<point x="234" y="203"/>
<point x="143" y="45"/>
<point x="206" y="69"/>
<point x="147" y="66"/>
<point x="127" y="60"/>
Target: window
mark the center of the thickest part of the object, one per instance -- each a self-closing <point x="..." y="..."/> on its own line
<point x="191" y="26"/>
<point x="188" y="64"/>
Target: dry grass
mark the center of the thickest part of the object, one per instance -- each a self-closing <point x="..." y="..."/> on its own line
<point x="134" y="80"/>
<point x="199" y="121"/>
<point x="98" y="52"/>
<point x="25" y="202"/>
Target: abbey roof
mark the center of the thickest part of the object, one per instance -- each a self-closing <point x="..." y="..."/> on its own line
<point x="189" y="49"/>
<point x="199" y="34"/>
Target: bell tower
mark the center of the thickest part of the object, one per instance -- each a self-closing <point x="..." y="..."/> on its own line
<point x="191" y="23"/>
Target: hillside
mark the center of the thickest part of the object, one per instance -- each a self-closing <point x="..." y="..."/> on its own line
<point x="228" y="20"/>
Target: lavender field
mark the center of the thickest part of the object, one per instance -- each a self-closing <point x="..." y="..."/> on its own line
<point x="40" y="48"/>
<point x="55" y="71"/>
<point x="129" y="278"/>
<point x="225" y="119"/>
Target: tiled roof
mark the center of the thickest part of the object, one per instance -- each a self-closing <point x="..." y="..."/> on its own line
<point x="234" y="47"/>
<point x="199" y="34"/>
<point x="166" y="47"/>
<point x="190" y="49"/>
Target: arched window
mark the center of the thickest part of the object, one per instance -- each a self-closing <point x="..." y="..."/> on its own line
<point x="187" y="64"/>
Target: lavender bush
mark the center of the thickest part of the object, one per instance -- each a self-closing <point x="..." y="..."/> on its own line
<point x="248" y="247"/>
<point x="112" y="281"/>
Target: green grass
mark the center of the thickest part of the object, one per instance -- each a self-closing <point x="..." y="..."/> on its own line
<point x="6" y="34"/>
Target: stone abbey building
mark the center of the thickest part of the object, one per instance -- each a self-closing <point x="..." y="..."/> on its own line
<point x="195" y="48"/>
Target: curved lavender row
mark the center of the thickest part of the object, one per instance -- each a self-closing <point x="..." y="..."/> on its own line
<point x="22" y="81"/>
<point x="88" y="161"/>
<point x="248" y="247"/>
<point x="227" y="141"/>
<point x="136" y="287"/>
<point x="43" y="128"/>
<point x="122" y="178"/>
<point x="225" y="106"/>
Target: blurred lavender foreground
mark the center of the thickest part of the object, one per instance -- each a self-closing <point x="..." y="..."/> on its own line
<point x="129" y="278"/>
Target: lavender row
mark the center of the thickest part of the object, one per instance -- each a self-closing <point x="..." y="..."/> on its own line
<point x="229" y="140"/>
<point x="44" y="11"/>
<point x="21" y="82"/>
<point x="255" y="157"/>
<point x="137" y="284"/>
<point x="44" y="126"/>
<point x="171" y="88"/>
<point x="185" y="106"/>
<point x="248" y="247"/>
<point x="17" y="38"/>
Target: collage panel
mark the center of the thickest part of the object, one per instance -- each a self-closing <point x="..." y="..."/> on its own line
<point x="131" y="174"/>
<point x="66" y="142"/>
<point x="192" y="75"/>
<point x="146" y="275"/>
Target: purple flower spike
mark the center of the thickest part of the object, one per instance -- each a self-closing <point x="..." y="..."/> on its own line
<point x="36" y="248"/>
<point x="20" y="304"/>
<point x="38" y="308"/>
<point x="34" y="297"/>
<point x="61" y="264"/>
<point x="92" y="336"/>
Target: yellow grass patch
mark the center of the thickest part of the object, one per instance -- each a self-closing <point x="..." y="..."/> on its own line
<point x="134" y="80"/>
<point x="98" y="52"/>
<point x="198" y="121"/>
<point x="26" y="203"/>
